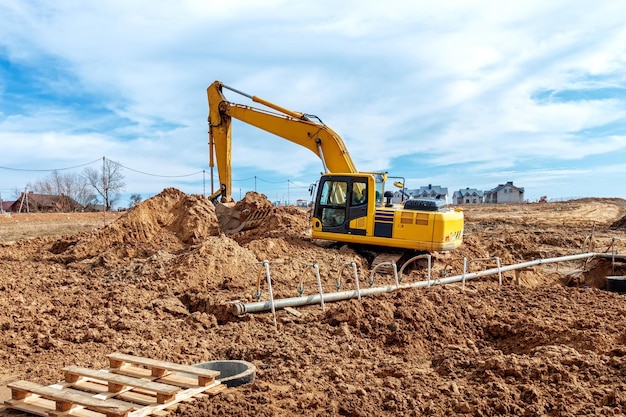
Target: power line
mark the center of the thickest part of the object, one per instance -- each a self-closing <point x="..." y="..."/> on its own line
<point x="156" y="175"/>
<point x="49" y="170"/>
<point x="270" y="182"/>
<point x="98" y="160"/>
<point x="255" y="178"/>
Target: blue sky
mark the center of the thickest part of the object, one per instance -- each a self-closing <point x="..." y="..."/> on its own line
<point x="451" y="93"/>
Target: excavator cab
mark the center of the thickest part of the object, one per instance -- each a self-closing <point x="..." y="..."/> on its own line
<point x="342" y="203"/>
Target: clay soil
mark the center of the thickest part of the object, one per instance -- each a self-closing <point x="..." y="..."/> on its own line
<point x="156" y="282"/>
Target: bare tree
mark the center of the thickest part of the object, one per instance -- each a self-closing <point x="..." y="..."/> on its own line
<point x="108" y="182"/>
<point x="17" y="193"/>
<point x="72" y="185"/>
<point x="134" y="200"/>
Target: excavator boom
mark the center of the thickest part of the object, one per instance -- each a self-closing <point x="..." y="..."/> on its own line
<point x="291" y="125"/>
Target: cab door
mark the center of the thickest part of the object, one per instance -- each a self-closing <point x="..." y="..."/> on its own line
<point x="341" y="204"/>
<point x="357" y="207"/>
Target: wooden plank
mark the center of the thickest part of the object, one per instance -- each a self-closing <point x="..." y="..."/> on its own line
<point x="120" y="358"/>
<point x="118" y="382"/>
<point x="169" y="379"/>
<point x="100" y="390"/>
<point x="65" y="399"/>
<point x="293" y="311"/>
<point x="35" y="404"/>
<point x="139" y="398"/>
<point x="92" y="386"/>
<point x="160" y="368"/>
<point x="46" y="408"/>
<point x="31" y="407"/>
<point x="76" y="412"/>
<point x="134" y="371"/>
<point x="214" y="388"/>
<point x="179" y="381"/>
<point x="109" y="397"/>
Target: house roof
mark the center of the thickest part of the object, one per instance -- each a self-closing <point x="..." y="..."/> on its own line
<point x="426" y="190"/>
<point x="48" y="201"/>
<point x="438" y="189"/>
<point x="501" y="186"/>
<point x="6" y="205"/>
<point x="402" y="191"/>
<point x="469" y="192"/>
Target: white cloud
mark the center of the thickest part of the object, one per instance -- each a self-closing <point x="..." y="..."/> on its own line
<point x="453" y="81"/>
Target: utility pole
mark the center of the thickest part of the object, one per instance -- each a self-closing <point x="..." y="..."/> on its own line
<point x="211" y="162"/>
<point x="104" y="193"/>
<point x="24" y="197"/>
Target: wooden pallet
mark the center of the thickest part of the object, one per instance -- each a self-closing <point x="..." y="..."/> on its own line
<point x="132" y="386"/>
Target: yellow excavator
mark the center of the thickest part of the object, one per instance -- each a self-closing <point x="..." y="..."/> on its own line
<point x="350" y="206"/>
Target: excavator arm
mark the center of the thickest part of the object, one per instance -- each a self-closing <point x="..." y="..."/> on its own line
<point x="299" y="128"/>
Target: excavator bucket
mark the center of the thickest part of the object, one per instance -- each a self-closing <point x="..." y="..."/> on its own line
<point x="232" y="220"/>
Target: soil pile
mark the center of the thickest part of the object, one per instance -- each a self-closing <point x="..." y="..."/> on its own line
<point x="168" y="221"/>
<point x="157" y="281"/>
<point x="252" y="202"/>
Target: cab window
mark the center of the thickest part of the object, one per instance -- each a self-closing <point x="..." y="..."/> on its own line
<point x="334" y="193"/>
<point x="359" y="193"/>
<point x="333" y="203"/>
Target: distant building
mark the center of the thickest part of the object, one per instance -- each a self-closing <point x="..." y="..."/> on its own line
<point x="93" y="207"/>
<point x="401" y="195"/>
<point x="468" y="196"/>
<point x="432" y="191"/>
<point x="429" y="191"/>
<point x="505" y="193"/>
<point x="31" y="202"/>
<point x="6" y="206"/>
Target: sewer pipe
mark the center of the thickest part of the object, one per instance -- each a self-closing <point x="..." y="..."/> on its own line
<point x="239" y="308"/>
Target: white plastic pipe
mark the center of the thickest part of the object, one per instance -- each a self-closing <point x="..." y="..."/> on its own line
<point x="261" y="306"/>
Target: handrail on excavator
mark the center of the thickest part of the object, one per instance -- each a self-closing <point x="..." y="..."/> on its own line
<point x="256" y="99"/>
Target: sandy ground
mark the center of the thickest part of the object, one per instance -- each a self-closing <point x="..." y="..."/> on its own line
<point x="154" y="281"/>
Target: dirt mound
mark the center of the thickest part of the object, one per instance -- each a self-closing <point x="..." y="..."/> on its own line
<point x="168" y="221"/>
<point x="253" y="201"/>
<point x="218" y="266"/>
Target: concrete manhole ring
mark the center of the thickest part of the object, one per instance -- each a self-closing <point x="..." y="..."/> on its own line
<point x="233" y="373"/>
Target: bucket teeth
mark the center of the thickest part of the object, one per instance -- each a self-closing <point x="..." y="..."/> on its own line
<point x="233" y="221"/>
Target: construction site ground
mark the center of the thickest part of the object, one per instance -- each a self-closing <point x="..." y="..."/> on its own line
<point x="156" y="282"/>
